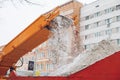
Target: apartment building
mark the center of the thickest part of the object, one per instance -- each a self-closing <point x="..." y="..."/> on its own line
<point x="100" y="20"/>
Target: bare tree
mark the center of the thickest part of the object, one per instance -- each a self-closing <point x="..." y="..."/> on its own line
<point x="19" y="2"/>
<point x="25" y="2"/>
<point x="31" y="2"/>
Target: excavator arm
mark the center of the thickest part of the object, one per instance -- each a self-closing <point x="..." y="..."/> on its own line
<point x="31" y="37"/>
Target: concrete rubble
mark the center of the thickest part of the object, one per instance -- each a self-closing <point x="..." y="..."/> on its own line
<point x="58" y="44"/>
<point x="87" y="58"/>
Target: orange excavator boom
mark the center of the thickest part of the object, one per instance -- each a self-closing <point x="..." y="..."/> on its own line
<point x="35" y="34"/>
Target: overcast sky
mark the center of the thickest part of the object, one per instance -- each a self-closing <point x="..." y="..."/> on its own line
<point x="16" y="16"/>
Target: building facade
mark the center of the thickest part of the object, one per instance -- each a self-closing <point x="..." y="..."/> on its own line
<point x="100" y="20"/>
<point x="43" y="63"/>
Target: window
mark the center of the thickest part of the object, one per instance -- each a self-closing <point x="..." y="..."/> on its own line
<point x="117" y="29"/>
<point x="41" y="66"/>
<point x="102" y="22"/>
<point x="101" y="13"/>
<point x="112" y="8"/>
<point x="117" y="7"/>
<point x="91" y="16"/>
<point x="86" y="37"/>
<point x="95" y="24"/>
<point x="97" y="6"/>
<point x="108" y="32"/>
<point x="37" y="66"/>
<point x="118" y="18"/>
<point x="109" y="10"/>
<point x="86" y="27"/>
<point x="97" y="34"/>
<point x="113" y="19"/>
<point x="96" y="14"/>
<point x="118" y="41"/>
<point x="106" y="10"/>
<point x="98" y="23"/>
<point x="87" y="46"/>
<point x="87" y="17"/>
<point x="41" y="55"/>
<point x="89" y="36"/>
<point x="49" y="66"/>
<point x="107" y="21"/>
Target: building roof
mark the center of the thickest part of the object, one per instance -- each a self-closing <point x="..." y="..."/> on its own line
<point x="69" y="2"/>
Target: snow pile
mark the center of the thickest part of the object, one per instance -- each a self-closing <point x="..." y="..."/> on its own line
<point x="85" y="59"/>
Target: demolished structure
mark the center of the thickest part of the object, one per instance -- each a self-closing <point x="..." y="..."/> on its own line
<point x="87" y="58"/>
<point x="46" y="63"/>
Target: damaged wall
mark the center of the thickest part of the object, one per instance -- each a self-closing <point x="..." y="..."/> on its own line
<point x="72" y="10"/>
